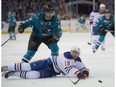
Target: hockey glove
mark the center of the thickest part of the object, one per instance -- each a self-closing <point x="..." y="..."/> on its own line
<point x="102" y="31"/>
<point x="53" y="38"/>
<point x="56" y="38"/>
<point x="83" y="74"/>
<point x="80" y="76"/>
<point x="21" y="28"/>
<point x="91" y="22"/>
<point x="112" y="29"/>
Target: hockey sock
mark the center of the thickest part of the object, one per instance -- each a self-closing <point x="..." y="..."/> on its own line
<point x="28" y="55"/>
<point x="54" y="49"/>
<point x="94" y="42"/>
<point x="20" y="67"/>
<point x="97" y="45"/>
<point x="103" y="45"/>
<point x="28" y="74"/>
<point x="11" y="35"/>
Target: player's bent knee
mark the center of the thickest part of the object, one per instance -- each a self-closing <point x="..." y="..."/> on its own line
<point x="101" y="38"/>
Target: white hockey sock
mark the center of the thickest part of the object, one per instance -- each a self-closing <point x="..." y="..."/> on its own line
<point x="20" y="67"/>
<point x="94" y="43"/>
<point x="28" y="74"/>
<point x="103" y="44"/>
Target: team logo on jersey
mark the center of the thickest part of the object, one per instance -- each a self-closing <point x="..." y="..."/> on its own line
<point x="106" y="22"/>
<point x="45" y="23"/>
<point x="42" y="23"/>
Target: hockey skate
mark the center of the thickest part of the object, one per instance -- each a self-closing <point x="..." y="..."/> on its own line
<point x="102" y="47"/>
<point x="12" y="36"/>
<point x="94" y="49"/>
<point x="4" y="68"/>
<point x="8" y="74"/>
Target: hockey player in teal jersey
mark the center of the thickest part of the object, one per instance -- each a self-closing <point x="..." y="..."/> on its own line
<point x="46" y="29"/>
<point x="12" y="25"/>
<point x="82" y="22"/>
<point x="103" y="25"/>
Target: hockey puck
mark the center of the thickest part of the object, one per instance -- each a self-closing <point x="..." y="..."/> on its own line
<point x="89" y="43"/>
<point x="99" y="81"/>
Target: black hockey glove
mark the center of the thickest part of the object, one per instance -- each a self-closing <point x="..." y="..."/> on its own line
<point x="112" y="29"/>
<point x="91" y="22"/>
<point x="21" y="28"/>
<point x="102" y="31"/>
<point x="53" y="38"/>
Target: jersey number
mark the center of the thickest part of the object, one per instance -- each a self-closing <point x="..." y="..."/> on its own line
<point x="67" y="63"/>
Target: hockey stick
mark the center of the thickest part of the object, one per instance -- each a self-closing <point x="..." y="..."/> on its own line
<point x="9" y="39"/>
<point x="91" y="40"/>
<point x="6" y="41"/>
<point x="73" y="81"/>
<point x="90" y="37"/>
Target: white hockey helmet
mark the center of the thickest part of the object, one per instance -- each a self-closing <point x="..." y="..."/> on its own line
<point x="102" y="5"/>
<point x="75" y="48"/>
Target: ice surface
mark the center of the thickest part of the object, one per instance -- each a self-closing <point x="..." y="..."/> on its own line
<point x="101" y="63"/>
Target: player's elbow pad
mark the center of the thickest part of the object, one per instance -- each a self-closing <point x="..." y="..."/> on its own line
<point x="59" y="34"/>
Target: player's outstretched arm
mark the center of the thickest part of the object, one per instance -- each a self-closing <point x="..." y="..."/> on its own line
<point x="27" y="23"/>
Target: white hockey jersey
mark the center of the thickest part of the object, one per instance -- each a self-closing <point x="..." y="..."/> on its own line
<point x="66" y="64"/>
<point x="94" y="15"/>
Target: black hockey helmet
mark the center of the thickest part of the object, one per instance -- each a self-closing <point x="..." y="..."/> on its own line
<point x="49" y="8"/>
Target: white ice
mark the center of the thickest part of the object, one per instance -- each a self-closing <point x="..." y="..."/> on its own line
<point x="101" y="63"/>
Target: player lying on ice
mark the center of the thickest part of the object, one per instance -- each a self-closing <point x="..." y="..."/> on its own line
<point x="69" y="63"/>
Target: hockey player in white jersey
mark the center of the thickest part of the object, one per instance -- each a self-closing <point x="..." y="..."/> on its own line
<point x="93" y="19"/>
<point x="69" y="63"/>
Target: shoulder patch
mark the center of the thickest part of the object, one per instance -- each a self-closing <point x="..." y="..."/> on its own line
<point x="68" y="55"/>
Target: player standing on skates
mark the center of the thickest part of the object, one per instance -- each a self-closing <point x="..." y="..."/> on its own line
<point x="103" y="25"/>
<point x="46" y="29"/>
<point x="12" y="25"/>
<point x="94" y="32"/>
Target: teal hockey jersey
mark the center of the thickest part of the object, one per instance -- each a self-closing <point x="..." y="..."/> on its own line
<point x="12" y="20"/>
<point x="42" y="27"/>
<point x="104" y="23"/>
